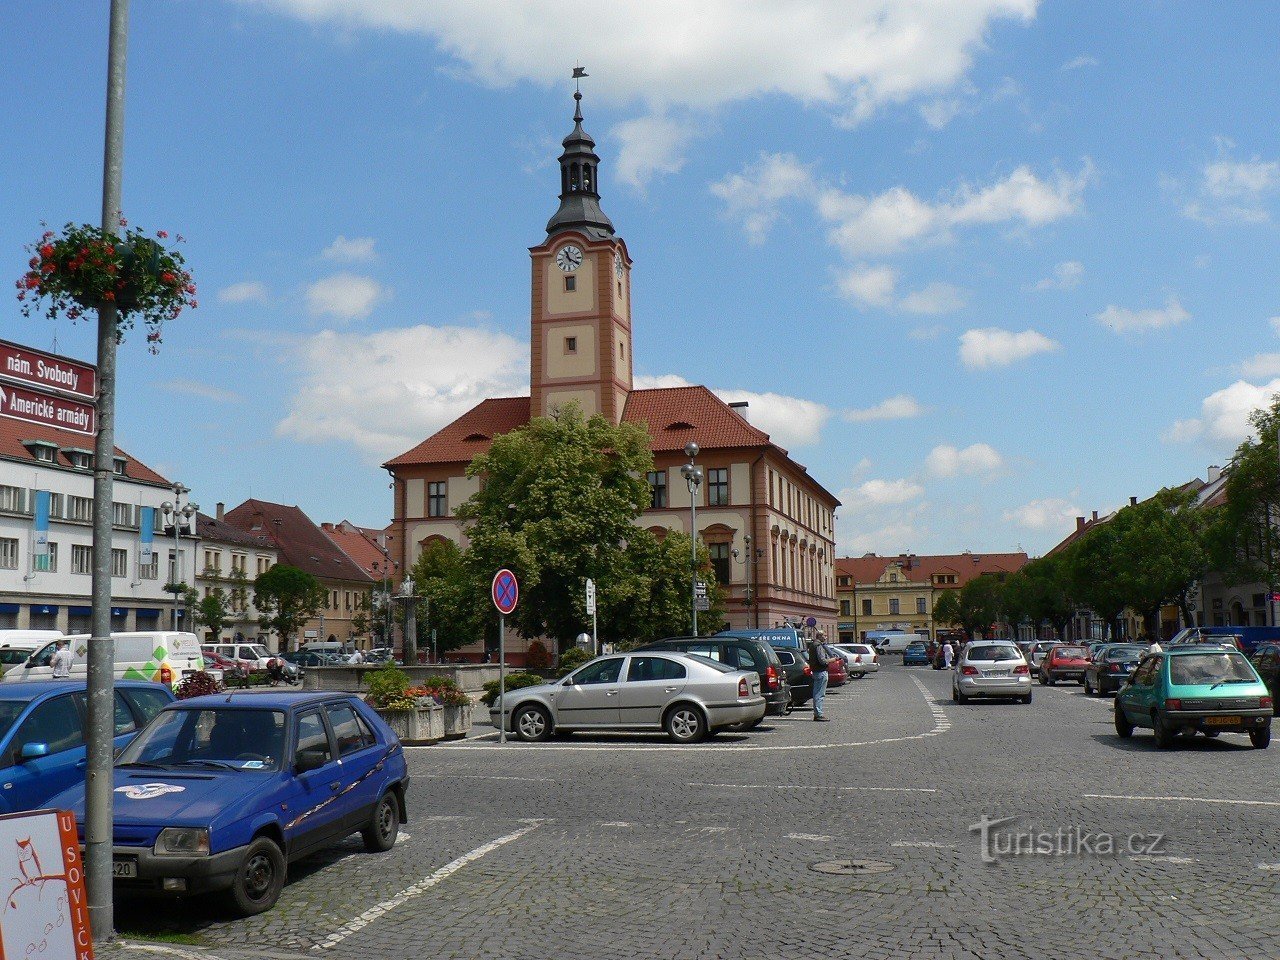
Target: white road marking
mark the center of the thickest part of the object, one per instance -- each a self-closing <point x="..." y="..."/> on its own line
<point x="478" y="776"/>
<point x="615" y="823"/>
<point x="798" y="786"/>
<point x="928" y="844"/>
<point x="167" y="950"/>
<point x="1269" y="866"/>
<point x="419" y="888"/>
<point x="446" y="818"/>
<point x="809" y="836"/>
<point x="1239" y="803"/>
<point x="1149" y="858"/>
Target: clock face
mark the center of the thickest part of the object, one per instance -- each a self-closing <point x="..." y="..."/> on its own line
<point x="569" y="258"/>
<point x="617" y="265"/>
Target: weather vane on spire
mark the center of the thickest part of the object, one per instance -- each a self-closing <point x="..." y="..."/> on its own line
<point x="579" y="73"/>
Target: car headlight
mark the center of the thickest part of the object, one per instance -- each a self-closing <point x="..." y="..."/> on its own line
<point x="182" y="841"/>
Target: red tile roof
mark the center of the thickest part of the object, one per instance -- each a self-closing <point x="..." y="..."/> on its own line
<point x="356" y="545"/>
<point x="676" y="415"/>
<point x="14" y="432"/>
<point x="965" y="566"/>
<point x="469" y="435"/>
<point x="219" y="531"/>
<point x="300" y="542"/>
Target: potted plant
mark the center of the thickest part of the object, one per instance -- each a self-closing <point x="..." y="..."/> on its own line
<point x="457" y="705"/>
<point x="86" y="268"/>
<point x="414" y="716"/>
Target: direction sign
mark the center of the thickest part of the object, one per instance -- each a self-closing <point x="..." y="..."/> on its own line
<point x="39" y="369"/>
<point x="18" y="403"/>
<point x="591" y="596"/>
<point x="505" y="591"/>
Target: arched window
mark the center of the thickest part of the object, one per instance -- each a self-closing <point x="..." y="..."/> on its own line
<point x="564" y="179"/>
<point x="575" y="177"/>
<point x="588" y="177"/>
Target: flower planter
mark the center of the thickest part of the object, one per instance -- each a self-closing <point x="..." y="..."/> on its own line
<point x="457" y="721"/>
<point x="416" y="727"/>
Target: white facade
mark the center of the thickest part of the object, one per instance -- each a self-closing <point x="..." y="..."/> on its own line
<point x="55" y="593"/>
<point x="232" y="568"/>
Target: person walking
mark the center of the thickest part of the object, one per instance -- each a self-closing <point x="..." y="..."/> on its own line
<point x="62" y="660"/>
<point x="948" y="654"/>
<point x="818" y="666"/>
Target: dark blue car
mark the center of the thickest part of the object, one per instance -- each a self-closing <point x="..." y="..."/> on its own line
<point x="916" y="654"/>
<point x="221" y="793"/>
<point x="42" y="724"/>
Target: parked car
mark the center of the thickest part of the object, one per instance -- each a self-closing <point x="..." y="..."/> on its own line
<point x="743" y="653"/>
<point x="891" y="641"/>
<point x="795" y="666"/>
<point x="307" y="658"/>
<point x="1190" y="688"/>
<point x="859" y="658"/>
<point x="837" y="672"/>
<point x="231" y="672"/>
<point x="1038" y="651"/>
<point x="991" y="668"/>
<point x="916" y="654"/>
<point x="1064" y="661"/>
<point x="252" y="653"/>
<point x="160" y="656"/>
<point x="1266" y="660"/>
<point x="1111" y="667"/>
<point x="688" y="696"/>
<point x="16" y="646"/>
<point x="1246" y="639"/>
<point x="42" y="727"/>
<point x="219" y="794"/>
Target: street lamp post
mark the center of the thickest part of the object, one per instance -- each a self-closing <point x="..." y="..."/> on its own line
<point x="692" y="474"/>
<point x="179" y="514"/>
<point x="749" y="563"/>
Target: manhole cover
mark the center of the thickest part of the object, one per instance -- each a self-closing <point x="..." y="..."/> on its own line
<point x="852" y="866"/>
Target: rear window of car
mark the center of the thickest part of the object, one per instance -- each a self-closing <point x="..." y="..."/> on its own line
<point x="786" y="657"/>
<point x="1124" y="654"/>
<point x="1200" y="668"/>
<point x="993" y="651"/>
<point x="1072" y="652"/>
<point x="865" y="650"/>
<point x="146" y="703"/>
<point x="712" y="663"/>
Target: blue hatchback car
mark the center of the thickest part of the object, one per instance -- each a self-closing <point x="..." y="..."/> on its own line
<point x="916" y="654"/>
<point x="221" y="793"/>
<point x="42" y="724"/>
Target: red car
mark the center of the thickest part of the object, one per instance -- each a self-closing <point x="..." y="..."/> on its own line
<point x="1064" y="661"/>
<point x="233" y="671"/>
<point x="837" y="672"/>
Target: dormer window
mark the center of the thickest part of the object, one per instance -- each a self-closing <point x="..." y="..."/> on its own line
<point x="78" y="458"/>
<point x="42" y="450"/>
<point x="117" y="465"/>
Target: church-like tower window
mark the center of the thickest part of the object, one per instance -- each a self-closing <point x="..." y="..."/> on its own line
<point x="570" y="284"/>
<point x="586" y="178"/>
<point x="575" y="177"/>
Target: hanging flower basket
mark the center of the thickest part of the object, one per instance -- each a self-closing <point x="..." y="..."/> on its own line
<point x="86" y="268"/>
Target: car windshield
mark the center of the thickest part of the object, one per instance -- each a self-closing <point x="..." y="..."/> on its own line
<point x="9" y="710"/>
<point x="13" y="655"/>
<point x="1072" y="652"/>
<point x="993" y="652"/>
<point x="1212" y="668"/>
<point x="231" y="738"/>
<point x="1124" y="653"/>
<point x="917" y="645"/>
<point x="258" y="651"/>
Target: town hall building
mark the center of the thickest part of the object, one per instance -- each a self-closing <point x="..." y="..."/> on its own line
<point x="768" y="525"/>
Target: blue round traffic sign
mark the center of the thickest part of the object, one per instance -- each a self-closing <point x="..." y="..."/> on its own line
<point x="506" y="591"/>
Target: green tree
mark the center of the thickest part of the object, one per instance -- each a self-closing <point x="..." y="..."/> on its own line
<point x="1246" y="543"/>
<point x="286" y="598"/>
<point x="452" y="599"/>
<point x="946" y="609"/>
<point x="211" y="612"/>
<point x="1038" y="593"/>
<point x="360" y="615"/>
<point x="654" y="599"/>
<point x="981" y="604"/>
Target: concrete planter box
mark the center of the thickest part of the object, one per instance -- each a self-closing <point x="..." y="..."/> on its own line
<point x="416" y="727"/>
<point x="355" y="679"/>
<point x="457" y="721"/>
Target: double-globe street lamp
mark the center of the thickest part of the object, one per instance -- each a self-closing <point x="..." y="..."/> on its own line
<point x="179" y="515"/>
<point x="692" y="474"/>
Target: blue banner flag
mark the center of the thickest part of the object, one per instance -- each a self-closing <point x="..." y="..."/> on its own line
<point x="42" y="523"/>
<point x="146" y="533"/>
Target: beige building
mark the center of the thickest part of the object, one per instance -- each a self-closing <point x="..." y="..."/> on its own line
<point x="227" y="562"/>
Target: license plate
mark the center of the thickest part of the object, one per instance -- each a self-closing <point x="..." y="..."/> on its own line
<point x="1222" y="721"/>
<point x="124" y="868"/>
<point x="995" y="673"/>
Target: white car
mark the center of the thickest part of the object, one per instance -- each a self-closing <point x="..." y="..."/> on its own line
<point x="255" y="654"/>
<point x="991" y="668"/>
<point x="859" y="658"/>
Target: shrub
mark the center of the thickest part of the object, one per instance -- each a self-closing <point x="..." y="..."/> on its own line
<point x="515" y="681"/>
<point x="572" y="659"/>
<point x="537" y="657"/>
<point x="435" y="681"/>
<point x="198" y="684"/>
<point x="386" y="684"/>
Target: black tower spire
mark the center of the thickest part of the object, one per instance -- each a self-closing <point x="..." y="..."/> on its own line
<point x="579" y="189"/>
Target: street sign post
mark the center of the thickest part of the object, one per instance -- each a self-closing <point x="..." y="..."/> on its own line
<point x="45" y="371"/>
<point x="591" y="609"/>
<point x="701" y="602"/>
<point x="51" y="410"/>
<point x="506" y="594"/>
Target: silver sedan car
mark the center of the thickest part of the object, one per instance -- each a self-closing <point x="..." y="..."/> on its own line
<point x="991" y="668"/>
<point x="688" y="696"/>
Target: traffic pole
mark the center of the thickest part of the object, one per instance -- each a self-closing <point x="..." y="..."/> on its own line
<point x="100" y="683"/>
<point x="502" y="677"/>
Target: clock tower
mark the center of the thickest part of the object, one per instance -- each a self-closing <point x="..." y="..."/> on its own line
<point x="580" y="347"/>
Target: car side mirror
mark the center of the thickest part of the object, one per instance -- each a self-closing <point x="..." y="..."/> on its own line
<point x="568" y="682"/>
<point x="311" y="759"/>
<point x="31" y="751"/>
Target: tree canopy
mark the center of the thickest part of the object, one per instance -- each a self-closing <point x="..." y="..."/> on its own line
<point x="286" y="598"/>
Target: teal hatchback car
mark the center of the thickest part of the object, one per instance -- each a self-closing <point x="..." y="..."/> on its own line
<point x="1194" y="688"/>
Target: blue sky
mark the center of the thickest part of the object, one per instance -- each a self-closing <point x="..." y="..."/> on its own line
<point x="981" y="268"/>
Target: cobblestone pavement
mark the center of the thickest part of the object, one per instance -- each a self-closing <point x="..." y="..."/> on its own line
<point x="627" y="847"/>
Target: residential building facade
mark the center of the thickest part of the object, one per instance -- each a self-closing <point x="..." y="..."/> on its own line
<point x="228" y="561"/>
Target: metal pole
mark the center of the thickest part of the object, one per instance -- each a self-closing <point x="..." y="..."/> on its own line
<point x="502" y="677"/>
<point x="177" y="557"/>
<point x="693" y="540"/>
<point x="595" y="630"/>
<point x="101" y="665"/>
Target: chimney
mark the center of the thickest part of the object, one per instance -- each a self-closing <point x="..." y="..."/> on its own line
<point x="221" y="509"/>
<point x="740" y="405"/>
<point x="1215" y="472"/>
<point x="1079" y="524"/>
<point x="326" y="526"/>
<point x="1095" y="516"/>
<point x="1133" y="501"/>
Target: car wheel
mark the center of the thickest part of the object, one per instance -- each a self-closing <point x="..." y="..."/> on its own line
<point x="532" y="724"/>
<point x="1124" y="726"/>
<point x="957" y="696"/>
<point x="1026" y="698"/>
<point x="1211" y="733"/>
<point x="1166" y="735"/>
<point x="1040" y="677"/>
<point x="258" y="880"/>
<point x="1088" y="687"/>
<point x="384" y="825"/>
<point x="1047" y="677"/>
<point x="1260" y="736"/>
<point x="684" y="723"/>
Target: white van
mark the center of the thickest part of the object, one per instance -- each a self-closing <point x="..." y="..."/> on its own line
<point x="160" y="656"/>
<point x="254" y="654"/>
<point x="16" y="646"/>
<point x="891" y="641"/>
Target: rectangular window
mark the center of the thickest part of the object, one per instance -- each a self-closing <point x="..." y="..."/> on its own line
<point x="175" y="565"/>
<point x="866" y="607"/>
<point x="44" y="454"/>
<point x="48" y="563"/>
<point x="846" y="608"/>
<point x="80" y="508"/>
<point x="119" y="562"/>
<point x="570" y="344"/>
<point x="657" y="488"/>
<point x="122" y="514"/>
<point x="238" y="562"/>
<point x="920" y="605"/>
<point x="437" y="498"/>
<point x="118" y="466"/>
<point x="12" y="499"/>
<point x="81" y="559"/>
<point x="264" y="564"/>
<point x="9" y="553"/>
<point x="718" y="487"/>
<point x="213" y="562"/>
<point x="893" y="606"/>
<point x="719" y="561"/>
<point x="151" y="571"/>
<point x="570" y="284"/>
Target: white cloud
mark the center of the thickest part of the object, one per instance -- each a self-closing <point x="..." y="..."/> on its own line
<point x="205" y="391"/>
<point x="938" y="113"/>
<point x="853" y="57"/>
<point x="658" y="381"/>
<point x="1085" y="60"/>
<point x="1224" y="415"/>
<point x="345" y="296"/>
<point x="993" y="347"/>
<point x="881" y="493"/>
<point x="754" y="196"/>
<point x="650" y="145"/>
<point x="934" y="298"/>
<point x="1051" y="514"/>
<point x="250" y="291"/>
<point x="1066" y="276"/>
<point x="869" y="286"/>
<point x="1124" y="320"/>
<point x="384" y="392"/>
<point x="900" y="407"/>
<point x="1232" y="191"/>
<point x="789" y="421"/>
<point x="948" y="461"/>
<point x="355" y="250"/>
<point x="1261" y="365"/>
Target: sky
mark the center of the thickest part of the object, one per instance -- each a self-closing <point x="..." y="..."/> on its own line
<point x="981" y="265"/>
